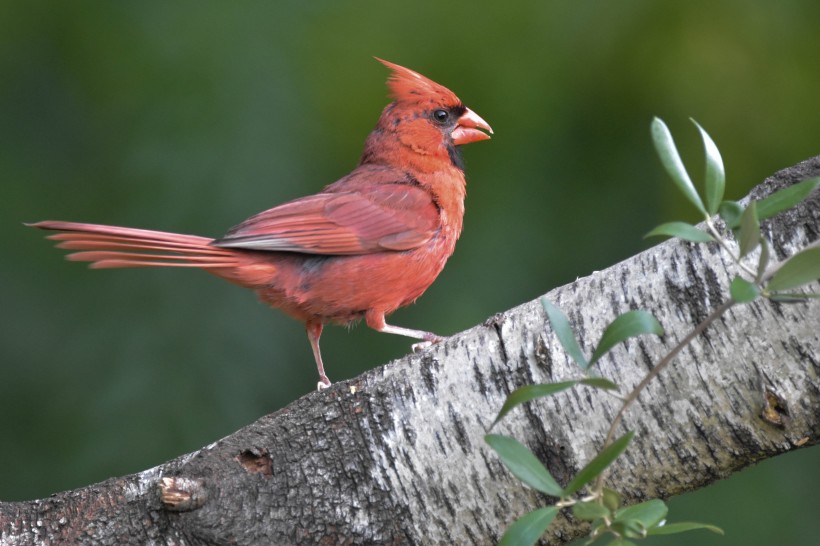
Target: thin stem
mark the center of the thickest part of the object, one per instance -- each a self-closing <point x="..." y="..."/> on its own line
<point x="722" y="242"/>
<point x="664" y="362"/>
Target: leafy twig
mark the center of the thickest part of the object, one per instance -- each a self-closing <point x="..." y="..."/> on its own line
<point x="657" y="369"/>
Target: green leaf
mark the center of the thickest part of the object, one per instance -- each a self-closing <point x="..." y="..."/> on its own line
<point x="682" y="527"/>
<point x="563" y="330"/>
<point x="531" y="392"/>
<point x="598" y="464"/>
<point x="731" y="211"/>
<point x="630" y="324"/>
<point x="749" y="229"/>
<point x="743" y="291"/>
<point x="523" y="464"/>
<point x="802" y="268"/>
<point x="786" y="297"/>
<point x="763" y="262"/>
<point x="621" y="542"/>
<point x="589" y="511"/>
<point x="648" y="513"/>
<point x="671" y="161"/>
<point x="630" y="528"/>
<point x="528" y="528"/>
<point x="599" y="383"/>
<point x="612" y="499"/>
<point x="681" y="230"/>
<point x="715" y="175"/>
<point x="785" y="198"/>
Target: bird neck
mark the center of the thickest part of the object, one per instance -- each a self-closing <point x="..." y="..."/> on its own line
<point x="420" y="152"/>
<point x="426" y="156"/>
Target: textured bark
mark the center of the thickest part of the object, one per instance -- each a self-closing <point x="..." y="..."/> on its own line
<point x="397" y="455"/>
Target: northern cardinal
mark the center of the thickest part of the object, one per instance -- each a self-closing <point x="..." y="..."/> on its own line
<point x="367" y="244"/>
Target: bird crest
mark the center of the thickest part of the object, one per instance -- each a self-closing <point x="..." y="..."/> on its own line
<point x="408" y="86"/>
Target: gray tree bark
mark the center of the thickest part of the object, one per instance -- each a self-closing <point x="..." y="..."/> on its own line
<point x="396" y="456"/>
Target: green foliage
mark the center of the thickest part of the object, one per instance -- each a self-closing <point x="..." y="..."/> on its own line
<point x="731" y="211"/>
<point x="749" y="230"/>
<point x="532" y="392"/>
<point x="763" y="261"/>
<point x="715" y="175"/>
<point x="598" y="464"/>
<point x="629" y="324"/>
<point x="670" y="158"/>
<point x="681" y="230"/>
<point x="602" y="507"/>
<point x="563" y="330"/>
<point x="611" y="499"/>
<point x="644" y="515"/>
<point x="523" y="464"/>
<point x="528" y="528"/>
<point x="590" y="511"/>
<point x="794" y="272"/>
<point x="682" y="527"/>
<point x="743" y="291"/>
<point x="800" y="269"/>
<point x="633" y="522"/>
<point x="786" y="198"/>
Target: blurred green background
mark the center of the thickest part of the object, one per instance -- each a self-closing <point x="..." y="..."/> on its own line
<point x="191" y="116"/>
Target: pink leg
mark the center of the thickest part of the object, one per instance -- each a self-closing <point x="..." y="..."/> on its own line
<point x="375" y="320"/>
<point x="314" y="332"/>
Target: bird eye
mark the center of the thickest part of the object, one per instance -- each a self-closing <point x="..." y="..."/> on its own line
<point x="441" y="115"/>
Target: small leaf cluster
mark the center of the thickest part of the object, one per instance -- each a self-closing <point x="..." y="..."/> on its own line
<point x="752" y="282"/>
<point x="632" y="522"/>
<point x="602" y="506"/>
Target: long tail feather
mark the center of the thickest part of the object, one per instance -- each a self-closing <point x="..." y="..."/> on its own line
<point x="115" y="247"/>
<point x="78" y="241"/>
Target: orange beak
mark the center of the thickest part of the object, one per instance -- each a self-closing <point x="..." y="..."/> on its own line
<point x="468" y="127"/>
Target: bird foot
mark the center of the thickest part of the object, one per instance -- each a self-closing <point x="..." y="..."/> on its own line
<point x="324" y="383"/>
<point x="420" y="346"/>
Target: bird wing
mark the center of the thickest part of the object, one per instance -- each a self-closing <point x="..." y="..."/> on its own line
<point x="392" y="216"/>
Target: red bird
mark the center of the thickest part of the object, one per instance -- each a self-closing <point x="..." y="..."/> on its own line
<point x="367" y="244"/>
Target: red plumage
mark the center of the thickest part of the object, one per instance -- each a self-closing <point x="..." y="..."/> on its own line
<point x="364" y="246"/>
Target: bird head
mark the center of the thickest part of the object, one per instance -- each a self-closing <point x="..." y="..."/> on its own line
<point x="417" y="98"/>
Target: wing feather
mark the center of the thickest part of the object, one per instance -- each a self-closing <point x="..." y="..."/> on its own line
<point x="384" y="216"/>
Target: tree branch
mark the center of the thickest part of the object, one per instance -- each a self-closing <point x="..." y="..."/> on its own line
<point x="396" y="455"/>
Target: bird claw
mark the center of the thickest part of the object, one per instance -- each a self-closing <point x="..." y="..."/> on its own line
<point x="323" y="384"/>
<point x="421" y="345"/>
